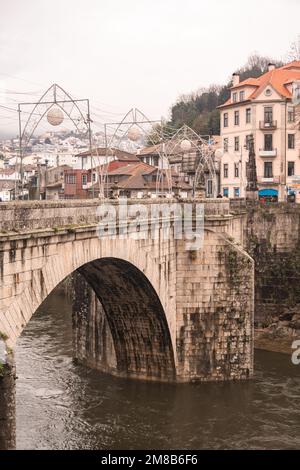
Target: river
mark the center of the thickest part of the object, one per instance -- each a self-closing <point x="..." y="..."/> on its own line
<point x="61" y="405"/>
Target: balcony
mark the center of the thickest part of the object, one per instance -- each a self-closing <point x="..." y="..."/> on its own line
<point x="267" y="125"/>
<point x="268" y="153"/>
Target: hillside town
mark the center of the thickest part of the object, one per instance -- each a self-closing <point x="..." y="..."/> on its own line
<point x="64" y="165"/>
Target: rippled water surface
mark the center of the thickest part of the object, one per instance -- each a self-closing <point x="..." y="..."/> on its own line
<point x="64" y="406"/>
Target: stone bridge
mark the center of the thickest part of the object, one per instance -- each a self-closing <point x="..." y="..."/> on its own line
<point x="144" y="306"/>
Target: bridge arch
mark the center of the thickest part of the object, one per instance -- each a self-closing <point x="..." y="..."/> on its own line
<point x="131" y="284"/>
<point x="135" y="316"/>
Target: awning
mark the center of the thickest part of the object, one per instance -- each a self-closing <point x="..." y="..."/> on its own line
<point x="268" y="192"/>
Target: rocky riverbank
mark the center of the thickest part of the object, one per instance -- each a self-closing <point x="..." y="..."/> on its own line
<point x="267" y="341"/>
<point x="279" y="335"/>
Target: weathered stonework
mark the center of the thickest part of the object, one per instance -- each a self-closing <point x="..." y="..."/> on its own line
<point x="93" y="344"/>
<point x="188" y="319"/>
<point x="272" y="238"/>
<point x="162" y="312"/>
<point x="272" y="235"/>
<point x="214" y="305"/>
<point x="7" y="404"/>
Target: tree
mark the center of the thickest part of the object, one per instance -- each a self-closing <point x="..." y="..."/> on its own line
<point x="198" y="109"/>
<point x="256" y="65"/>
<point x="156" y="135"/>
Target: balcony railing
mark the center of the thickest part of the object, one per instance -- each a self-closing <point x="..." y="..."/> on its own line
<point x="265" y="125"/>
<point x="267" y="152"/>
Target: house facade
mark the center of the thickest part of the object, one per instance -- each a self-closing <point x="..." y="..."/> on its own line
<point x="140" y="180"/>
<point x="264" y="108"/>
<point x="7" y="189"/>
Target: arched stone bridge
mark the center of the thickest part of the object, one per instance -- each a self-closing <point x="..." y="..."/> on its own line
<point x="144" y="306"/>
<point x="172" y="313"/>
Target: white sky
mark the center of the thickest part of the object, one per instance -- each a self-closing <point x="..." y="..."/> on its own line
<point x="135" y="53"/>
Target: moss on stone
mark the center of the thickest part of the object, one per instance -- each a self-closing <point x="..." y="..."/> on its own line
<point x="3" y="336"/>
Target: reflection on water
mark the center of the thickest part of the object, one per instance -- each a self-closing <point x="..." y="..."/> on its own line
<point x="64" y="406"/>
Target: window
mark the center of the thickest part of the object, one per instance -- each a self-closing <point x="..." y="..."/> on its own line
<point x="236" y="144"/>
<point x="242" y="95"/>
<point x="94" y="177"/>
<point x="268" y="142"/>
<point x="268" y="114"/>
<point x="236" y="118"/>
<point x="84" y="180"/>
<point x="236" y="170"/>
<point x="268" y="169"/>
<point x="291" y="141"/>
<point x="225" y="117"/>
<point x="225" y="170"/>
<point x="225" y="192"/>
<point x="70" y="179"/>
<point x="236" y="192"/>
<point x="291" y="114"/>
<point x="234" y="97"/>
<point x="248" y="115"/>
<point x="209" y="187"/>
<point x="291" y="168"/>
<point x="225" y="144"/>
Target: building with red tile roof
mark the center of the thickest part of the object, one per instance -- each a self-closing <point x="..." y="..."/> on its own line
<point x="137" y="180"/>
<point x="263" y="107"/>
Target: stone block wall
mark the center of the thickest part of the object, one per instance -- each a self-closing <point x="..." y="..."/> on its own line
<point x="93" y="344"/>
<point x="272" y="237"/>
<point x="36" y="215"/>
<point x="214" y="311"/>
<point x="7" y="403"/>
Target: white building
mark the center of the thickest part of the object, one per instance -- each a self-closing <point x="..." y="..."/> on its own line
<point x="9" y="174"/>
<point x="6" y="189"/>
<point x="262" y="107"/>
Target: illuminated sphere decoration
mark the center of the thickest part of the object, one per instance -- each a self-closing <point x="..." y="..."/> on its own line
<point x="134" y="134"/>
<point x="185" y="145"/>
<point x="55" y="116"/>
<point x="218" y="154"/>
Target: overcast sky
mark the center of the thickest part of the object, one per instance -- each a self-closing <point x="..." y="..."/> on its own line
<point x="135" y="53"/>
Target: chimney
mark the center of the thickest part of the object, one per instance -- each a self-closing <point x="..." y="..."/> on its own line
<point x="235" y="79"/>
<point x="271" y="67"/>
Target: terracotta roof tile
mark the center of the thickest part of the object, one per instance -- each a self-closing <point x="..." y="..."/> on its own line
<point x="247" y="82"/>
<point x="276" y="78"/>
<point x="111" y="152"/>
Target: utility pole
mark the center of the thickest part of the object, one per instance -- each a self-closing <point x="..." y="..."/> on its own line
<point x="90" y="144"/>
<point x="20" y="153"/>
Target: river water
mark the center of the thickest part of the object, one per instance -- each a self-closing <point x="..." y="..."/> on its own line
<point x="65" y="406"/>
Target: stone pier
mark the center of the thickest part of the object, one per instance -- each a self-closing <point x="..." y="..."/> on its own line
<point x="7" y="403"/>
<point x="93" y="344"/>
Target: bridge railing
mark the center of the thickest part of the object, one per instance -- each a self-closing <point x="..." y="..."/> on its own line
<point x="37" y="215"/>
